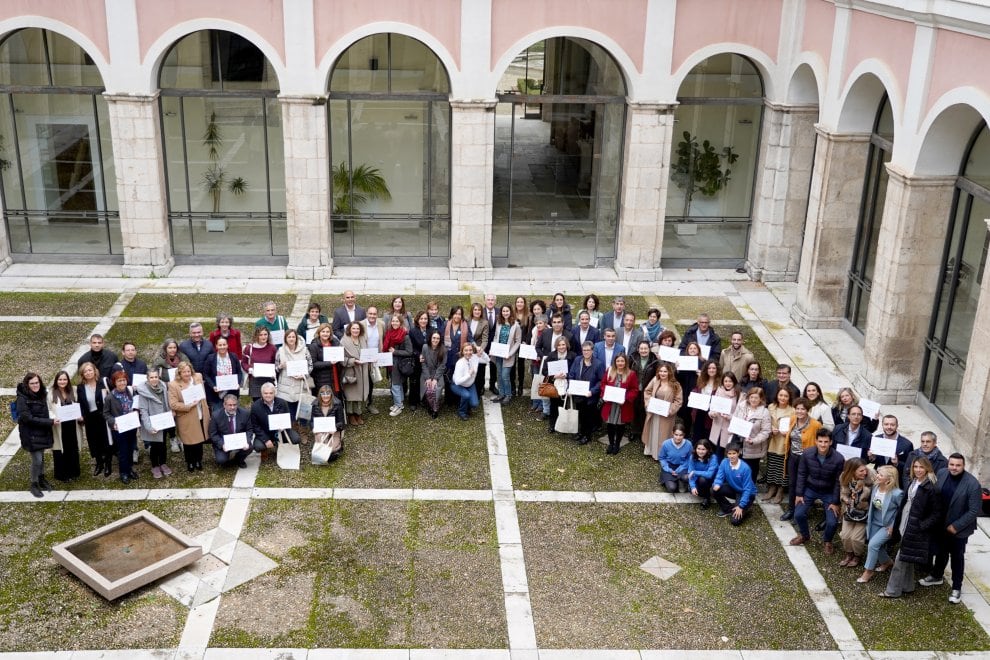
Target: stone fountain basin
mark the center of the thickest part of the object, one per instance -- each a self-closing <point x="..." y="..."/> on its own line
<point x="127" y="554"/>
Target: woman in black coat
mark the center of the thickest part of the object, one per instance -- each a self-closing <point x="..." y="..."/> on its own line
<point x="35" y="428"/>
<point x="917" y="521"/>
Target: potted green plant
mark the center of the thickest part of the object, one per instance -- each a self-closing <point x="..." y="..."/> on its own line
<point x="353" y="188"/>
<point x="699" y="168"/>
<point x="216" y="179"/>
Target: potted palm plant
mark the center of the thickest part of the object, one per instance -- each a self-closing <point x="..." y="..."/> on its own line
<point x="354" y="188"/>
<point x="216" y="179"/>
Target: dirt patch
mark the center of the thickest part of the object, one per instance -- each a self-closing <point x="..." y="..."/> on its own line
<point x="282" y="538"/>
<point x="268" y="606"/>
<point x="147" y="626"/>
<point x="358" y="614"/>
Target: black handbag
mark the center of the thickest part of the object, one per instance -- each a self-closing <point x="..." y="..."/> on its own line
<point x="405" y="365"/>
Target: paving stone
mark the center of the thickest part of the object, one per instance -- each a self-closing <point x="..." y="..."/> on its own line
<point x="660" y="567"/>
<point x="245" y="565"/>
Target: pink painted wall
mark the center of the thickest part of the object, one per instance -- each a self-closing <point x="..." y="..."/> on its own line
<point x="263" y="16"/>
<point x="699" y="23"/>
<point x="819" y="24"/>
<point x="886" y="39"/>
<point x="953" y="66"/>
<point x="440" y="18"/>
<point x="622" y="20"/>
<point x="88" y="17"/>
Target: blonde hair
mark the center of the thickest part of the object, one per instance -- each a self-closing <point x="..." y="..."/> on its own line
<point x="889" y="474"/>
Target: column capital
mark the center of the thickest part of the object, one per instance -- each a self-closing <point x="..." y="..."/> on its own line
<point x="919" y="181"/>
<point x="302" y="99"/>
<point x="131" y="98"/>
<point x="789" y="108"/>
<point x="488" y="105"/>
<point x="658" y="107"/>
<point x="834" y="136"/>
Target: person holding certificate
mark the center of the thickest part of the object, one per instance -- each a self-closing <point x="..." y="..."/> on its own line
<point x="885" y="502"/>
<point x="781" y="412"/>
<point x="465" y="371"/>
<point x="479" y="332"/>
<point x="222" y="374"/>
<point x="35" y="428"/>
<point x="845" y="401"/>
<point x="688" y="377"/>
<point x="520" y="311"/>
<point x="507" y="333"/>
<point x="259" y="352"/>
<point x="419" y="336"/>
<point x="192" y="415"/>
<point x="293" y="363"/>
<point x="398" y="343"/>
<point x="68" y="432"/>
<point x="801" y="434"/>
<point x="559" y="378"/>
<point x="311" y="322"/>
<point x="753" y="409"/>
<point x="617" y="410"/>
<point x="153" y="401"/>
<point x="659" y="427"/>
<point x="324" y="368"/>
<point x="433" y="361"/>
<point x="269" y="418"/>
<point x="275" y="323"/>
<point x="356" y="381"/>
<point x="89" y="394"/>
<point x="699" y="423"/>
<point x="329" y="407"/>
<point x="117" y="407"/>
<point x="225" y="328"/>
<point x="722" y="407"/>
<point x="644" y="363"/>
<point x="455" y="335"/>
<point x="590" y="371"/>
<point x="230" y="434"/>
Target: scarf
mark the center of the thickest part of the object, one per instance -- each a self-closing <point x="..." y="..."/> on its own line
<point x="394" y="338"/>
<point x="652" y="330"/>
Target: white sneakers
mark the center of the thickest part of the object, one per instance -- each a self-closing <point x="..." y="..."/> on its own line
<point x="955" y="597"/>
<point x="930" y="581"/>
<point x="395" y="411"/>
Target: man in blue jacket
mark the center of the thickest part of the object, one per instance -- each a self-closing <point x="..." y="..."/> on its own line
<point x="587" y="368"/>
<point x="928" y="448"/>
<point x="734" y="481"/>
<point x="961" y="499"/>
<point x="853" y="432"/>
<point x="818" y="479"/>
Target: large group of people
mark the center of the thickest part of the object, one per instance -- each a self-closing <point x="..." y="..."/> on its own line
<point x="703" y="412"/>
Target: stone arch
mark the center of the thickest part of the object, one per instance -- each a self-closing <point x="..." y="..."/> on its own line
<point x="763" y="63"/>
<point x="804" y="87"/>
<point x="861" y="97"/>
<point x="67" y="31"/>
<point x="947" y="130"/>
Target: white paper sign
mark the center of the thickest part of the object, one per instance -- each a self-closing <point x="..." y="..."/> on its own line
<point x="324" y="425"/>
<point x="369" y="355"/>
<point x="277" y="337"/>
<point x="232" y="441"/>
<point x="135" y="402"/>
<point x="699" y="401"/>
<point x="499" y="350"/>
<point x="192" y="394"/>
<point x="385" y="360"/>
<point x="705" y="351"/>
<point x="137" y="379"/>
<point x="579" y="388"/>
<point x="615" y="394"/>
<point x="127" y="422"/>
<point x="333" y="353"/>
<point x="881" y="446"/>
<point x="687" y="363"/>
<point x="69" y="413"/>
<point x="171" y="373"/>
<point x="162" y="421"/>
<point x="310" y="334"/>
<point x="784" y="425"/>
<point x="279" y="421"/>
<point x="658" y="407"/>
<point x="721" y="404"/>
<point x="593" y="322"/>
<point x="871" y="409"/>
<point x="848" y="451"/>
<point x="669" y="354"/>
<point x="228" y="382"/>
<point x="527" y="352"/>
<point x="296" y="368"/>
<point x="740" y="426"/>
<point x="557" y="367"/>
<point x="263" y="370"/>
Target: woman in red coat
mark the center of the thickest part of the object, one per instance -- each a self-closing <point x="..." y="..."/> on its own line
<point x="616" y="416"/>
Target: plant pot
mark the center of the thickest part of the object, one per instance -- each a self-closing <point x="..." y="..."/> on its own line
<point x="216" y="223"/>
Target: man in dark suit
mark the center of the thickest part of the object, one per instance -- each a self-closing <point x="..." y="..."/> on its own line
<point x="233" y="419"/>
<point x="783" y="382"/>
<point x="99" y="355"/>
<point x="491" y="315"/>
<point x="704" y="334"/>
<point x="196" y="349"/>
<point x="346" y="314"/>
<point x="904" y="446"/>
<point x="630" y="334"/>
<point x="928" y="449"/>
<point x="261" y="410"/>
<point x="614" y="318"/>
<point x="853" y="432"/>
<point x="583" y="332"/>
<point x="547" y="343"/>
<point x="606" y="350"/>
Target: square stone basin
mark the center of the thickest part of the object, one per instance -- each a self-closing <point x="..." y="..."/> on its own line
<point x="127" y="554"/>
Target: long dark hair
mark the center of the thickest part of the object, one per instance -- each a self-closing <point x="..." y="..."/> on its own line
<point x="58" y="396"/>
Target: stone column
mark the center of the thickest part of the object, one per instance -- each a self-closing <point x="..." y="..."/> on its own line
<point x="472" y="161"/>
<point x="645" y="176"/>
<point x="782" y="186"/>
<point x="908" y="266"/>
<point x="833" y="211"/>
<point x="307" y="187"/>
<point x="139" y="165"/>
<point x="973" y="424"/>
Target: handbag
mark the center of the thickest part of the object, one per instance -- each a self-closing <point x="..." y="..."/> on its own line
<point x="305" y="410"/>
<point x="534" y="386"/>
<point x="406" y="366"/>
<point x="376" y="375"/>
<point x="567" y="417"/>
<point x="548" y="390"/>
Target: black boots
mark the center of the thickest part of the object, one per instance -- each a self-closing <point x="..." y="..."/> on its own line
<point x="35" y="490"/>
<point x="44" y="484"/>
<point x="97" y="466"/>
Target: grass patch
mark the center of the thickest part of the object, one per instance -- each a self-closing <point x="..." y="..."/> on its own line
<point x="408" y="451"/>
<point x="6" y="421"/>
<point x="243" y="307"/>
<point x="588" y="591"/>
<point x="541" y="461"/>
<point x="48" y="303"/>
<point x="40" y="347"/>
<point x="682" y="308"/>
<point x="46" y="608"/>
<point x="369" y="575"/>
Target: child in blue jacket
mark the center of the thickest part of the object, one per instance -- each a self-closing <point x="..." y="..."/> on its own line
<point x="734" y="481"/>
<point x="701" y="469"/>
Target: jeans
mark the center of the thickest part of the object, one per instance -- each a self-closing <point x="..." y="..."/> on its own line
<point x="126" y="444"/>
<point x="468" y="396"/>
<point x="876" y="548"/>
<point x="504" y="378"/>
<point x="953" y="548"/>
<point x="37" y="465"/>
<point x="397" y="394"/>
<point x="801" y="513"/>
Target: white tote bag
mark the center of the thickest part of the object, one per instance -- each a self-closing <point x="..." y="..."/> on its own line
<point x="567" y="417"/>
<point x="287" y="455"/>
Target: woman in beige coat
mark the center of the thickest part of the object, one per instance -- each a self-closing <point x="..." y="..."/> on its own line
<point x="192" y="421"/>
<point x="658" y="428"/>
<point x="357" y="376"/>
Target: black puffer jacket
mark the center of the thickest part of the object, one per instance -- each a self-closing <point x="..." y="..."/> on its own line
<point x="33" y="422"/>
<point x="922" y="520"/>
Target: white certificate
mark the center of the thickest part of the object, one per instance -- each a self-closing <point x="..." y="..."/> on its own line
<point x="310" y="334"/>
<point x="127" y="422"/>
<point x="658" y="407"/>
<point x="277" y="337"/>
<point x="192" y="394"/>
<point x="162" y="421"/>
<point x="848" y="451"/>
<point x="721" y="404"/>
<point x="228" y="382"/>
<point x="557" y="367"/>
<point x="870" y="409"/>
<point x="135" y="402"/>
<point x="324" y="425"/>
<point x="171" y="373"/>
<point x="69" y="413"/>
<point x="232" y="441"/>
<point x="296" y="368"/>
<point x="883" y="447"/>
<point x="615" y="394"/>
<point x="369" y="355"/>
<point x="669" y="354"/>
<point x="593" y="322"/>
<point x="137" y="379"/>
<point x="527" y="352"/>
<point x="687" y="363"/>
<point x="699" y="401"/>
<point x="385" y="359"/>
<point x="499" y="350"/>
<point x="705" y="351"/>
<point x="279" y="421"/>
<point x="784" y="425"/>
<point x="740" y="426"/>
<point x="333" y="353"/>
<point x="263" y="370"/>
<point x="579" y="388"/>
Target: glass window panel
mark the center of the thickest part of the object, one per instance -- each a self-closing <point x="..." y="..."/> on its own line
<point x="949" y="388"/>
<point x="963" y="314"/>
<point x="440" y="152"/>
<point x="339" y="155"/>
<point x="605" y="173"/>
<point x="363" y="67"/>
<point x="231" y="235"/>
<point x="109" y="172"/>
<point x="942" y="307"/>
<point x="726" y="75"/>
<point x="23" y="60"/>
<point x="276" y="155"/>
<point x="885" y="120"/>
<point x="9" y="164"/>
<point x="71" y="66"/>
<point x="977" y="167"/>
<point x="175" y="161"/>
<point x="502" y="188"/>
<point x="704" y="240"/>
<point x="216" y="59"/>
<point x="415" y="68"/>
<point x="17" y="233"/>
<point x="872" y="237"/>
<point x="564" y="65"/>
